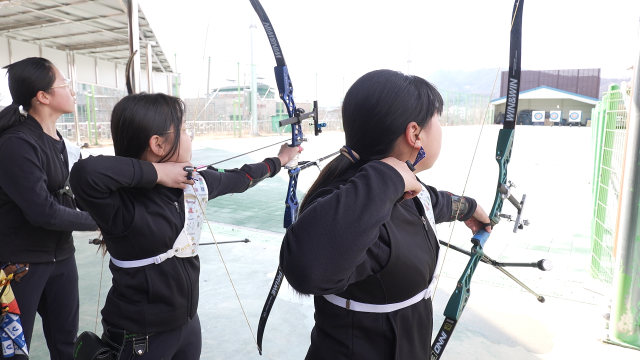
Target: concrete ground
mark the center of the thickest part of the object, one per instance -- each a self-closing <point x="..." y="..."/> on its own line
<point x="551" y="165"/>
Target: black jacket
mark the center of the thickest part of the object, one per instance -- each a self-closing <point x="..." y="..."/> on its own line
<point x="140" y="219"/>
<point x="35" y="221"/>
<point x="359" y="241"/>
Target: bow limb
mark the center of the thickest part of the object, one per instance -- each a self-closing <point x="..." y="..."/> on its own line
<point x="461" y="294"/>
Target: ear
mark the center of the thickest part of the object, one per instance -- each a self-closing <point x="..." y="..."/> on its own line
<point x="157" y="146"/>
<point x="43" y="98"/>
<point x="412" y="135"/>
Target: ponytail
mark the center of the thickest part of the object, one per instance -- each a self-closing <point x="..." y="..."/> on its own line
<point x="10" y="117"/>
<point x="376" y="111"/>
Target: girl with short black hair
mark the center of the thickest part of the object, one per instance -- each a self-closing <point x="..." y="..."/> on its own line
<point x="151" y="216"/>
<point x="37" y="209"/>
<point x="373" y="270"/>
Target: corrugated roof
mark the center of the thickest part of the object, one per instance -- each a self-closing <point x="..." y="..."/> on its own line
<point x="97" y="28"/>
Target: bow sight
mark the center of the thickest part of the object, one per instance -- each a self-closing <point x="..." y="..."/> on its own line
<point x="503" y="156"/>
<point x="296" y="121"/>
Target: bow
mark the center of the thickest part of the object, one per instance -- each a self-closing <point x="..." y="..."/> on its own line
<point x="460" y="296"/>
<point x="296" y="115"/>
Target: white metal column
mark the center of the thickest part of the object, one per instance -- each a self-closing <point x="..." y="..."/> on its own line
<point x="150" y="67"/>
<point x="71" y="63"/>
<point x="134" y="44"/>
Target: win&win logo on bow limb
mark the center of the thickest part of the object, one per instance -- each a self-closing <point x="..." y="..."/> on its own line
<point x="443" y="338"/>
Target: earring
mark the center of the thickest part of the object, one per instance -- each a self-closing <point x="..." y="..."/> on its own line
<point x="421" y="155"/>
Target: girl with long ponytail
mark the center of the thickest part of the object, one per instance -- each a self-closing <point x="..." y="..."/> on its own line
<point x="365" y="243"/>
<point x="37" y="209"/>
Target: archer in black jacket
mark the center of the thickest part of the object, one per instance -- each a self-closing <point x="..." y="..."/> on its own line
<point x="373" y="271"/>
<point x="140" y="218"/>
<point x="138" y="200"/>
<point x="37" y="210"/>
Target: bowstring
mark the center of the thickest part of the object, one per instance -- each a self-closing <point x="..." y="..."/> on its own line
<point x="464" y="189"/>
<point x="198" y="198"/>
<point x="95" y="329"/>
<point x="225" y="265"/>
<point x="475" y="151"/>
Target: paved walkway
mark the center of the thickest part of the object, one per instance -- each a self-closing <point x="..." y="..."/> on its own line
<point x="551" y="165"/>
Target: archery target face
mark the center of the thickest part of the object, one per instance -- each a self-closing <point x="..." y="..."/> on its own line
<point x="555" y="116"/>
<point x="575" y="116"/>
<point x="537" y="116"/>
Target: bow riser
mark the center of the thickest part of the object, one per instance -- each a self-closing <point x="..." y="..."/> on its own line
<point x="291" y="204"/>
<point x="456" y="303"/>
<point x="460" y="296"/>
<point x="285" y="89"/>
<point x="503" y="156"/>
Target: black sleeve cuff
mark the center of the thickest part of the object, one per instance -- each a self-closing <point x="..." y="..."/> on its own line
<point x="471" y="209"/>
<point x="274" y="165"/>
<point x="148" y="174"/>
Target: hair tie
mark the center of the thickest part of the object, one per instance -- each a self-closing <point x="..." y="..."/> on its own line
<point x="349" y="154"/>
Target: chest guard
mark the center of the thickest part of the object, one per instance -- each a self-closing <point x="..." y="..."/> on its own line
<point x="186" y="245"/>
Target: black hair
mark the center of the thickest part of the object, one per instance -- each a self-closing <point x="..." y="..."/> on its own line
<point x="136" y="118"/>
<point x="27" y="77"/>
<point x="375" y="113"/>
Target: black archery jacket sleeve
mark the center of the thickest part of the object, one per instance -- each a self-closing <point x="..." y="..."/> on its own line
<point x="443" y="210"/>
<point x="341" y="237"/>
<point x="228" y="181"/>
<point x="24" y="179"/>
<point x="96" y="180"/>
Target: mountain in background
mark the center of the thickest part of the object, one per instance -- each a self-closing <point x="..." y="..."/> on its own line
<point x="472" y="82"/>
<point x="605" y="82"/>
<point x="481" y="81"/>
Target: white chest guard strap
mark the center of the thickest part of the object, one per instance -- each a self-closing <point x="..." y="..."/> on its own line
<point x="425" y="199"/>
<point x="186" y="245"/>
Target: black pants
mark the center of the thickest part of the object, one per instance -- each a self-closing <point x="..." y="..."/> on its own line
<point x="183" y="343"/>
<point x="51" y="290"/>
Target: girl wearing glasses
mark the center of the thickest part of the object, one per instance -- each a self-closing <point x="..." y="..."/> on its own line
<point x="37" y="209"/>
<point x="151" y="216"/>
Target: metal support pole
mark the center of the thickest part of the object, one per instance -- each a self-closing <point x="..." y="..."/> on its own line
<point x="72" y="78"/>
<point x="10" y="51"/>
<point x="208" y="79"/>
<point x="134" y="43"/>
<point x="254" y="87"/>
<point x="176" y="89"/>
<point x="149" y="67"/>
<point x="94" y="117"/>
<point x="206" y="106"/>
<point x="239" y="107"/>
<point x="624" y="326"/>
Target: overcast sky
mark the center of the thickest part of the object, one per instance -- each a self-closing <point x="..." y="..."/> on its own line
<point x="340" y="40"/>
<point x="346" y="38"/>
